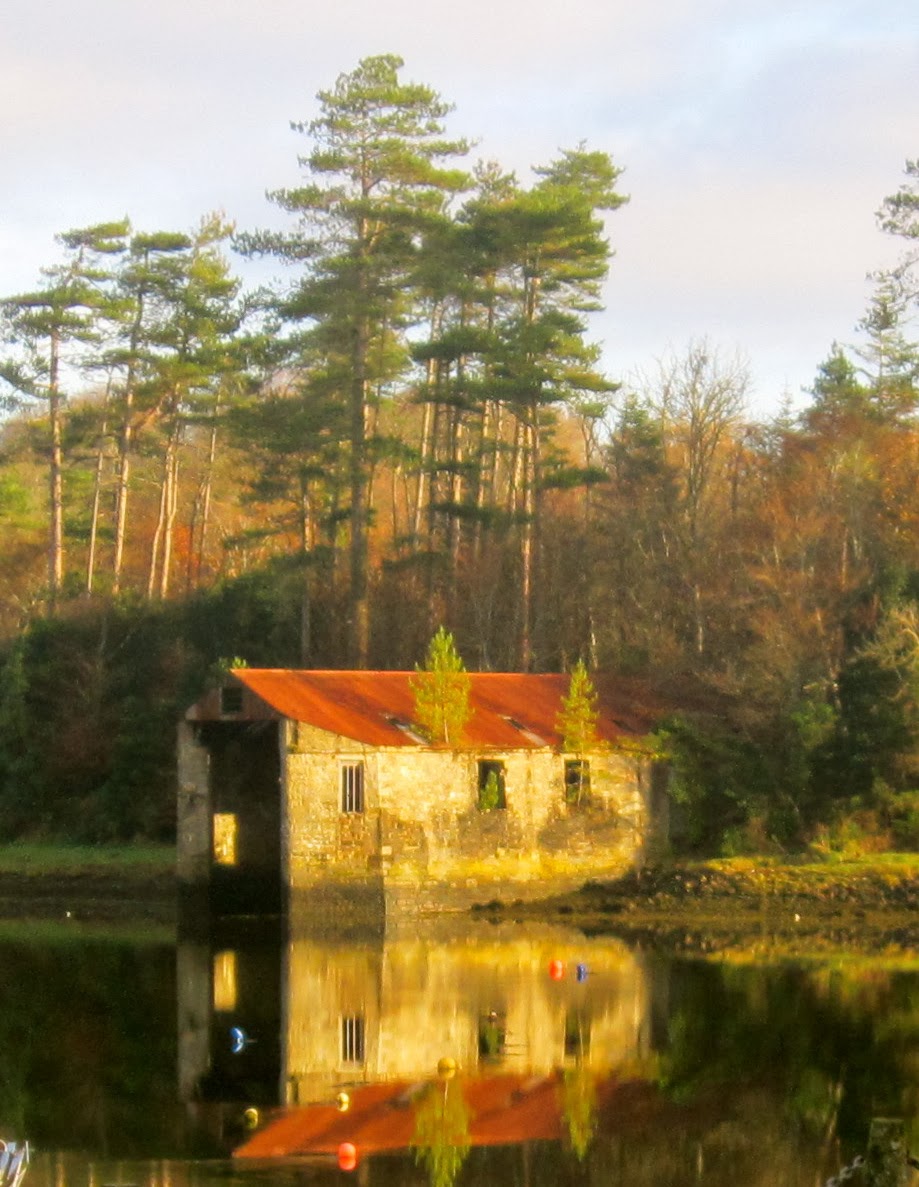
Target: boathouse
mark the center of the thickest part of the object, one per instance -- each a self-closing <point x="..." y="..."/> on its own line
<point x="314" y="789"/>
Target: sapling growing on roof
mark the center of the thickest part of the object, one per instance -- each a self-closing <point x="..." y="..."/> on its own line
<point x="441" y="690"/>
<point x="577" y="723"/>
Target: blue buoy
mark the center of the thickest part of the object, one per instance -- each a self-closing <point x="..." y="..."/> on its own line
<point x="582" y="972"/>
<point x="239" y="1040"/>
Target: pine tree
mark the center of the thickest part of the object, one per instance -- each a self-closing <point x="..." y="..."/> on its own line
<point x="52" y="327"/>
<point x="577" y="723"/>
<point x="375" y="184"/>
<point x="441" y="690"/>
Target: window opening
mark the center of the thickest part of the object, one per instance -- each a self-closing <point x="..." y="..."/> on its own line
<point x="225" y="981"/>
<point x="352" y="1039"/>
<point x="492" y="1036"/>
<point x="577" y="780"/>
<point x="530" y="735"/>
<point x="406" y="728"/>
<point x="226" y="828"/>
<point x="491" y="785"/>
<point x="352" y="787"/>
<point x="577" y="1033"/>
<point x="231" y="699"/>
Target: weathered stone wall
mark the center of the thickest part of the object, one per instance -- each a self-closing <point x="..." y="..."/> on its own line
<point x="193" y="825"/>
<point x="320" y="843"/>
<point x="423" y="836"/>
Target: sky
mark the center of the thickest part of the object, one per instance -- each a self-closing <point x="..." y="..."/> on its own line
<point x="757" y="137"/>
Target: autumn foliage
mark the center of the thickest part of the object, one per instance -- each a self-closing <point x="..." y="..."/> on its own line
<point x="415" y="431"/>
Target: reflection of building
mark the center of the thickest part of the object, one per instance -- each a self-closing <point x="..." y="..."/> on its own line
<point x="292" y="783"/>
<point x="500" y="1109"/>
<point x="325" y="1017"/>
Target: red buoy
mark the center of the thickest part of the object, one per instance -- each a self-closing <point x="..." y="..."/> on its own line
<point x="347" y="1156"/>
<point x="556" y="969"/>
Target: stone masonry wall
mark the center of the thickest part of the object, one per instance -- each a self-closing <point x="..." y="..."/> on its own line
<point x="423" y="836"/>
<point x="193" y="825"/>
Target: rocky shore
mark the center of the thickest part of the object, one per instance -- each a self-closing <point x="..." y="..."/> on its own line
<point x="99" y="895"/>
<point x="718" y="906"/>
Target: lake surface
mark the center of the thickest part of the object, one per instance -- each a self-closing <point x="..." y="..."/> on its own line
<point x="476" y="1054"/>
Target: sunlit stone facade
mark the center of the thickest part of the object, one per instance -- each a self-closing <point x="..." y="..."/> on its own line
<point x="361" y="828"/>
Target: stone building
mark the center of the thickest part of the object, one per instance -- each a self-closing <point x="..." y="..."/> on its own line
<point x="315" y="786"/>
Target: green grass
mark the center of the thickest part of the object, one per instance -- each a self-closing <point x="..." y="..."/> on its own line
<point x="78" y="932"/>
<point x="37" y="858"/>
<point x="899" y="863"/>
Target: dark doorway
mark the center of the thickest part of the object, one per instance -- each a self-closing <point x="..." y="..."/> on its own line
<point x="246" y="818"/>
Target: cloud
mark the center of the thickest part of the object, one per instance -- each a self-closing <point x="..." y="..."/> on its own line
<point x="758" y="138"/>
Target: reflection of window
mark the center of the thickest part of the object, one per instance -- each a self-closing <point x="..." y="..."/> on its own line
<point x="577" y="1033"/>
<point x="492" y="1036"/>
<point x="225" y="981"/>
<point x="225" y="828"/>
<point x="577" y="780"/>
<point x="352" y="787"/>
<point x="352" y="1039"/>
<point x="491" y="785"/>
<point x="231" y="698"/>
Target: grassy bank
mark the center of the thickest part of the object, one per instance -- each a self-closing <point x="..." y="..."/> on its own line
<point x="33" y="859"/>
<point x="87" y="883"/>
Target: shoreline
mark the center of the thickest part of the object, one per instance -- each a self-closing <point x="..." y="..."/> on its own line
<point x="699" y="907"/>
<point x="754" y="907"/>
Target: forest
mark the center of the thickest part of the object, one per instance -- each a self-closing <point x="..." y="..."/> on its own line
<point x="410" y="427"/>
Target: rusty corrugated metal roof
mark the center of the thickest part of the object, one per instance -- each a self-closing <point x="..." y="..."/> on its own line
<point x="510" y="711"/>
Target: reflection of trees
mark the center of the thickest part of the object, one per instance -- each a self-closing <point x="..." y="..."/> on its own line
<point x="838" y="1047"/>
<point x="87" y="1034"/>
<point x="441" y="1137"/>
<point x="579" y="1107"/>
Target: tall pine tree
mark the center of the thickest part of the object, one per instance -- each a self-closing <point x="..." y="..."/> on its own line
<point x="375" y="182"/>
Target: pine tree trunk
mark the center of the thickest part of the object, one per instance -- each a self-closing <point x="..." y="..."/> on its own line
<point x="358" y="594"/>
<point x="424" y="459"/>
<point x="94" y="511"/>
<point x="55" y="475"/>
<point x="172" y="497"/>
<point x="201" y="509"/>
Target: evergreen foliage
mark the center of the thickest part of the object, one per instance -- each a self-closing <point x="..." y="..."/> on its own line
<point x="417" y="429"/>
<point x="578" y="717"/>
<point x="441" y="689"/>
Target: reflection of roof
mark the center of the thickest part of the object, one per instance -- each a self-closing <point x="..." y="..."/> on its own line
<point x="502" y="1110"/>
<point x="509" y="711"/>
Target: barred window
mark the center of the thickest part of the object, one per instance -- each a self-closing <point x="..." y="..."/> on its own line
<point x="352" y="1039"/>
<point x="352" y="787"/>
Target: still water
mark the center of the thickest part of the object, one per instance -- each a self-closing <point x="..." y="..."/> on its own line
<point x="474" y="1055"/>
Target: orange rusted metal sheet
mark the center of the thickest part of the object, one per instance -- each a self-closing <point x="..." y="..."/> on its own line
<point x="510" y="711"/>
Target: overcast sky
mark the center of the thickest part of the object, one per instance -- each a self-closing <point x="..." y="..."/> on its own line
<point x="758" y="137"/>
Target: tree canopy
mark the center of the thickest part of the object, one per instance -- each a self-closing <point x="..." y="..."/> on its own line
<point x="413" y="427"/>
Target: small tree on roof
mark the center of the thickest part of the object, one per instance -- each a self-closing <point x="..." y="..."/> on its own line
<point x="441" y="689"/>
<point x="577" y="722"/>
